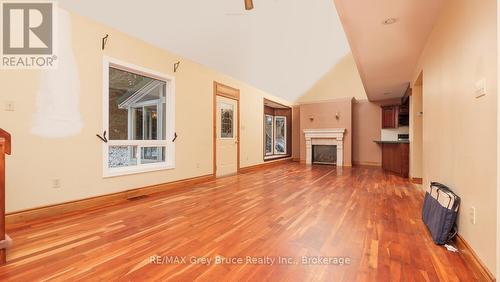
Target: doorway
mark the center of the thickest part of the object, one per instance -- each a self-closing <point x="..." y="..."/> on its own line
<point x="226" y="130"/>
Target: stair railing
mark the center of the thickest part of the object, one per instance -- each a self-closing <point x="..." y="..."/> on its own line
<point x="5" y="149"/>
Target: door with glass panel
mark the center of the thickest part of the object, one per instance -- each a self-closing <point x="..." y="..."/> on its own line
<point x="269" y="138"/>
<point x="227" y="138"/>
<point x="280" y="135"/>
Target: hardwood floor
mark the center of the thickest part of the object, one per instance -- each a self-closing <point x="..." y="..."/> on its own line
<point x="360" y="214"/>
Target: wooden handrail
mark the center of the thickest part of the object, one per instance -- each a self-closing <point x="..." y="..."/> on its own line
<point x="5" y="149"/>
<point x="6" y="140"/>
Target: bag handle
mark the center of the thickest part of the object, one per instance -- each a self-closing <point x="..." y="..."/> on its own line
<point x="439" y="186"/>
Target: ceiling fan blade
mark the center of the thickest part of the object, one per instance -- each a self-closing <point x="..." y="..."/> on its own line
<point x="248" y="4"/>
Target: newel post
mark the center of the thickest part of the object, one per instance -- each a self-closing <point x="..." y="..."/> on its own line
<point x="5" y="149"/>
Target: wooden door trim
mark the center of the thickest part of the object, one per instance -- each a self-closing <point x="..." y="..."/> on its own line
<point x="289" y="133"/>
<point x="274" y="102"/>
<point x="230" y="93"/>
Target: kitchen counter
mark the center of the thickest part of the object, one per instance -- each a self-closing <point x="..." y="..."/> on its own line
<point x="392" y="142"/>
<point x="396" y="156"/>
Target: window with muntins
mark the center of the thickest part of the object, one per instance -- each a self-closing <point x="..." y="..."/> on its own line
<point x="139" y="112"/>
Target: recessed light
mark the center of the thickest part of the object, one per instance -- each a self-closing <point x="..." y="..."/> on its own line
<point x="390" y="21"/>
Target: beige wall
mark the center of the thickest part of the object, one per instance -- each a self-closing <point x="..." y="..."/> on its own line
<point x="498" y="145"/>
<point x="77" y="160"/>
<point x="334" y="92"/>
<point x="341" y="81"/>
<point x="459" y="140"/>
<point x="366" y="127"/>
<point x="416" y="137"/>
<point x="324" y="117"/>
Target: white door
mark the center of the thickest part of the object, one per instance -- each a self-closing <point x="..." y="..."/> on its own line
<point x="227" y="136"/>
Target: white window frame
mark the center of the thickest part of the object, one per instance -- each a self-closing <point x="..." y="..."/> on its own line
<point x="169" y="120"/>
<point x="272" y="135"/>
<point x="274" y="139"/>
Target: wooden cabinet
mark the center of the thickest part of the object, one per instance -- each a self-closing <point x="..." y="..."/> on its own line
<point x="390" y="116"/>
<point x="396" y="158"/>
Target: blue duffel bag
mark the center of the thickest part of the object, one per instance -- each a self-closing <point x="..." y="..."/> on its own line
<point x="439" y="212"/>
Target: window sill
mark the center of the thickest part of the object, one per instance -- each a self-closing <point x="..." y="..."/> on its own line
<point x="275" y="157"/>
<point x="108" y="173"/>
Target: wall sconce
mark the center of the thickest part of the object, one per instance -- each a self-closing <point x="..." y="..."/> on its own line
<point x="311" y="118"/>
<point x="337" y="115"/>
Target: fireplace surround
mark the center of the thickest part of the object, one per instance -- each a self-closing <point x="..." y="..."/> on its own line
<point x="329" y="137"/>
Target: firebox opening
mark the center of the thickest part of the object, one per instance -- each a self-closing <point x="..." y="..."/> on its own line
<point x="324" y="154"/>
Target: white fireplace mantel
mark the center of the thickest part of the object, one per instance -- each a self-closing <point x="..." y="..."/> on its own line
<point x="333" y="136"/>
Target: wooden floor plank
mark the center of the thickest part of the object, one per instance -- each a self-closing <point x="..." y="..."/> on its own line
<point x="290" y="210"/>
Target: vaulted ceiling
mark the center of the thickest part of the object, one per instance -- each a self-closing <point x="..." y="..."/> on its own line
<point x="284" y="47"/>
<point x="281" y="46"/>
<point x="387" y="38"/>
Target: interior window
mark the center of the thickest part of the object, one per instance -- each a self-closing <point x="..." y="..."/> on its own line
<point x="137" y="122"/>
<point x="269" y="124"/>
<point x="277" y="127"/>
<point x="280" y="135"/>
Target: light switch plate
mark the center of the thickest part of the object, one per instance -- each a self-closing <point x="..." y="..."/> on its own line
<point x="480" y="89"/>
<point x="472" y="215"/>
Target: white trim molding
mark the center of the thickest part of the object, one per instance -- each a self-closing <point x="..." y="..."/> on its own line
<point x="169" y="121"/>
<point x="269" y="154"/>
<point x="333" y="136"/>
<point x="275" y="134"/>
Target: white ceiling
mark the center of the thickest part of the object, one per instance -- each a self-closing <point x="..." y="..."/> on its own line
<point x="386" y="55"/>
<point x="282" y="46"/>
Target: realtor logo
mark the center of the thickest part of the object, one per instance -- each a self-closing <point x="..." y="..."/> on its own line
<point x="28" y="35"/>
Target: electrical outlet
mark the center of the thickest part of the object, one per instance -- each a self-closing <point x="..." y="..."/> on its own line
<point x="56" y="183"/>
<point x="9" y="106"/>
<point x="197" y="165"/>
<point x="472" y="215"/>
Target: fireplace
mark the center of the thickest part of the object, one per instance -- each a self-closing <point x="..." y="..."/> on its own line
<point x="324" y="154"/>
<point x="323" y="141"/>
